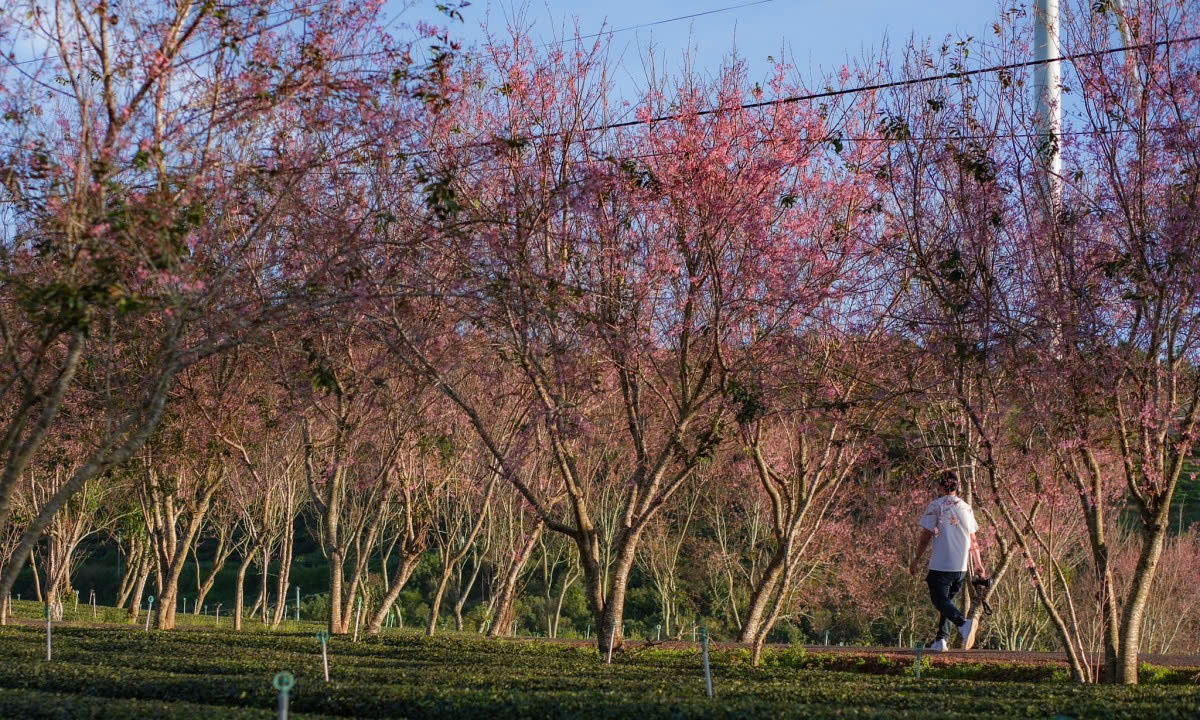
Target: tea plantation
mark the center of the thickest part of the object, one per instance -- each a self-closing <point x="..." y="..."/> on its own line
<point x="122" y="671"/>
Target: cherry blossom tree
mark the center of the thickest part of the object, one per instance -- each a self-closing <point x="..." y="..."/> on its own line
<point x="180" y="476"/>
<point x="660" y="550"/>
<point x="827" y="403"/>
<point x="59" y="549"/>
<point x="457" y="519"/>
<point x="151" y="154"/>
<point x="704" y="232"/>
<point x="1118" y="252"/>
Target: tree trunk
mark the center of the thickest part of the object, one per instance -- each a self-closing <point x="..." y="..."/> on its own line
<point x="133" y="568"/>
<point x="54" y="600"/>
<point x="1135" y="604"/>
<point x="239" y="591"/>
<point x="60" y="552"/>
<point x="224" y="550"/>
<point x="408" y="564"/>
<point x="258" y="599"/>
<point x="568" y="580"/>
<point x="338" y="625"/>
<point x="37" y="582"/>
<point x="1075" y="658"/>
<point x="452" y="561"/>
<point x="761" y="594"/>
<point x="502" y="622"/>
<point x="1007" y="552"/>
<point x="669" y="607"/>
<point x="464" y="591"/>
<point x="264" y="596"/>
<point x="135" y="598"/>
<point x="436" y="606"/>
<point x="285" y="572"/>
<point x="608" y="609"/>
<point x="1108" y="588"/>
<point x="784" y="586"/>
<point x="172" y="554"/>
<point x="19" y="446"/>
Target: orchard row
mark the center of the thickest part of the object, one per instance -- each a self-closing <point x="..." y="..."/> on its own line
<point x="262" y="267"/>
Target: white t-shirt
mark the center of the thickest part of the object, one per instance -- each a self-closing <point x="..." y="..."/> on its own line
<point x="952" y="522"/>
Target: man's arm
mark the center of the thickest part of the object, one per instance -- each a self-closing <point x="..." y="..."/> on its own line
<point x="922" y="546"/>
<point x="977" y="558"/>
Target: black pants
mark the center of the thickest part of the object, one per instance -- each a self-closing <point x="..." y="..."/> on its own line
<point x="943" y="586"/>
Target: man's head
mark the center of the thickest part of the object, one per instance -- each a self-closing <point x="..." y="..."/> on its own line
<point x="947" y="482"/>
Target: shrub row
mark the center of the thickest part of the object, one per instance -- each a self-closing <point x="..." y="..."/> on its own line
<point x="122" y="673"/>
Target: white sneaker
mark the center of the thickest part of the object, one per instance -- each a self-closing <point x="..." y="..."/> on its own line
<point x="939" y="645"/>
<point x="968" y="634"/>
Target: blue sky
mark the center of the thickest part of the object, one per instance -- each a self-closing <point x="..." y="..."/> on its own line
<point x="818" y="34"/>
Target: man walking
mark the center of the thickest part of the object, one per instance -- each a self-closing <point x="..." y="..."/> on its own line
<point x="950" y="524"/>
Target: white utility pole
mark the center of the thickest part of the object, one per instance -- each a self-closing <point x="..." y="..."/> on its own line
<point x="1047" y="88"/>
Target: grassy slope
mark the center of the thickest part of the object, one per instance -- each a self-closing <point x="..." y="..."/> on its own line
<point x="121" y="672"/>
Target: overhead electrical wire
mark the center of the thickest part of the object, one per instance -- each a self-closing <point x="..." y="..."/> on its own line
<point x="880" y="86"/>
<point x="897" y="83"/>
<point x="664" y="21"/>
<point x="875" y="87"/>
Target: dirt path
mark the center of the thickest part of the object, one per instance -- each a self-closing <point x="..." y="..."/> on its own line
<point x="1002" y="656"/>
<point x="1009" y="657"/>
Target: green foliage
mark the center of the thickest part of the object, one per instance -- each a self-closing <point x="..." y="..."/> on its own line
<point x="1157" y="675"/>
<point x="974" y="160"/>
<point x="747" y="399"/>
<point x="438" y="444"/>
<point x="202" y="673"/>
<point x="639" y="177"/>
<point x="792" y="657"/>
<point x="66" y="307"/>
<point x="895" y="127"/>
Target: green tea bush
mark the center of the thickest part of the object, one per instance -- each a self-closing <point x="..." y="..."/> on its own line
<point x="118" y="672"/>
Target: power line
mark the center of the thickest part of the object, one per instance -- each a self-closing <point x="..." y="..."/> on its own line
<point x="652" y="23"/>
<point x="884" y="86"/>
<point x="881" y="86"/>
<point x="663" y="21"/>
<point x="602" y="33"/>
<point x="873" y="87"/>
<point x="895" y="83"/>
<point x="299" y="11"/>
<point x="552" y="43"/>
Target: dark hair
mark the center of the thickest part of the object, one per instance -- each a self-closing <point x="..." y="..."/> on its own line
<point x="948" y="481"/>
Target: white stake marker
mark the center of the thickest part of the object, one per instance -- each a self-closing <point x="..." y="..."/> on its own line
<point x="323" y="636"/>
<point x="283" y="683"/>
<point x="611" y="638"/>
<point x="48" y="632"/>
<point x="149" y="611"/>
<point x="707" y="672"/>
